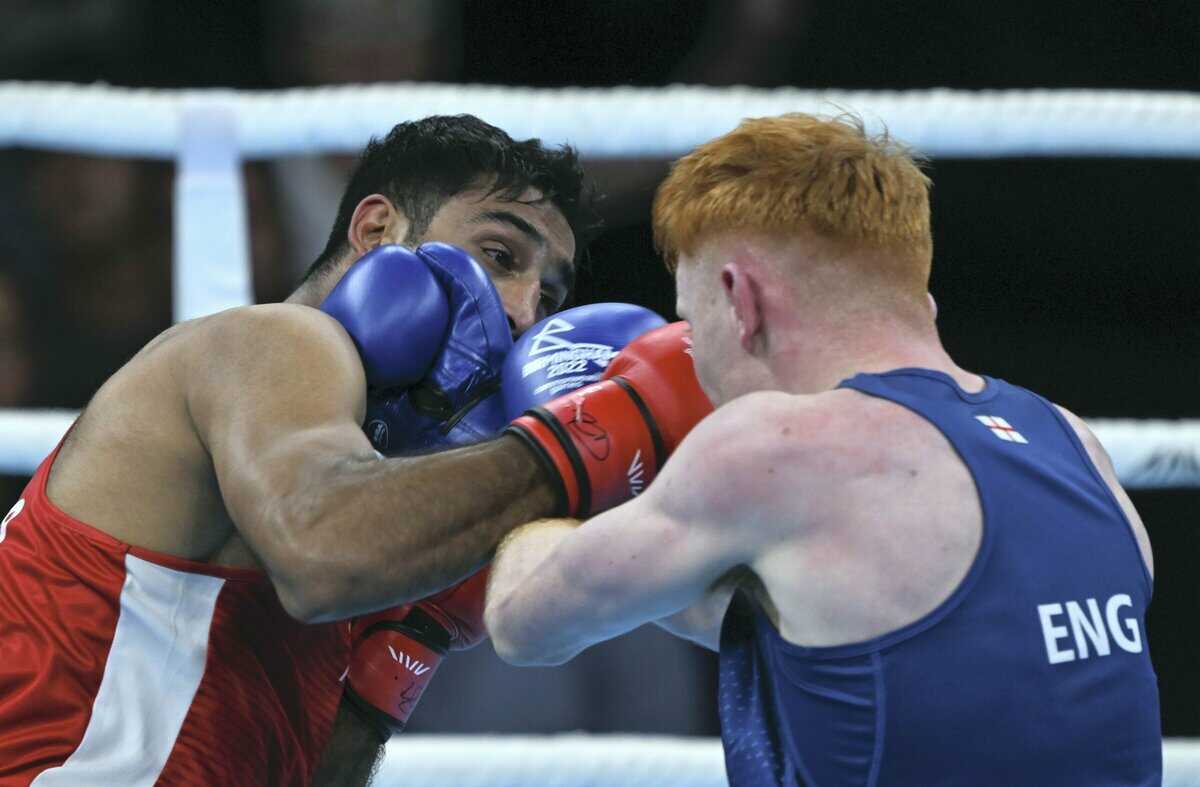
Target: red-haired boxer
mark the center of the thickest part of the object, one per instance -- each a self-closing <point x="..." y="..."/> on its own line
<point x="942" y="582"/>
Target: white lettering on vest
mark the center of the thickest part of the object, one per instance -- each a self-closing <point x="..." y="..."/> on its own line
<point x="1052" y="633"/>
<point x="1091" y="624"/>
<point x="1131" y="642"/>
<point x="1089" y="627"/>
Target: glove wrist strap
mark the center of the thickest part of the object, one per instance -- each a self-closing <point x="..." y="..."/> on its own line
<point x="391" y="664"/>
<point x="550" y="443"/>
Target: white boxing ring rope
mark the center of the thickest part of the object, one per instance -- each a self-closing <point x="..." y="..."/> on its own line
<point x="579" y="760"/>
<point x="1146" y="454"/>
<point x="210" y="133"/>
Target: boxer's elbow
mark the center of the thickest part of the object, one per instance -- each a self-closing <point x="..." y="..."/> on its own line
<point x="301" y="604"/>
<point x="526" y="653"/>
<point x="316" y="589"/>
<point x="316" y="581"/>
<point x="516" y="640"/>
<point x="505" y="635"/>
<point x="312" y="592"/>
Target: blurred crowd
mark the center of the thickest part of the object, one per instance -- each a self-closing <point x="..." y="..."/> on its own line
<point x="85" y="242"/>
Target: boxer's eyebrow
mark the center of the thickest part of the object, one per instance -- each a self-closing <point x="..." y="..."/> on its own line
<point x="513" y="220"/>
<point x="529" y="231"/>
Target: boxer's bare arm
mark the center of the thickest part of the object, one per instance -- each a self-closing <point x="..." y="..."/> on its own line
<point x="276" y="394"/>
<point x="557" y="588"/>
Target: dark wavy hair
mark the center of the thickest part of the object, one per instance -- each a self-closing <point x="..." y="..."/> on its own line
<point x="421" y="164"/>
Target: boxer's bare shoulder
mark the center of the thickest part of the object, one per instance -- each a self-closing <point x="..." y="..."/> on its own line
<point x="783" y="450"/>
<point x="271" y="350"/>
<point x="767" y="470"/>
<point x="136" y="464"/>
<point x="842" y="486"/>
<point x="730" y="456"/>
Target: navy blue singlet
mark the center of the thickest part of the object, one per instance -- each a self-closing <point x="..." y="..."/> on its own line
<point x="1034" y="672"/>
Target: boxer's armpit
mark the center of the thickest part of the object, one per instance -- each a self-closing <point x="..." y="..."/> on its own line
<point x="353" y="754"/>
<point x="701" y="622"/>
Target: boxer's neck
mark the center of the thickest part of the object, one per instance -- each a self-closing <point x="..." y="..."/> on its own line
<point x="816" y="359"/>
<point x="312" y="291"/>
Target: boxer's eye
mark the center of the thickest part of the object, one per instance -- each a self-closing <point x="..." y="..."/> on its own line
<point x="502" y="257"/>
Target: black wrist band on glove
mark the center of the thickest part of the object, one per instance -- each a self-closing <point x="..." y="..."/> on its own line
<point x="418" y="625"/>
<point x="380" y="723"/>
<point x="562" y="507"/>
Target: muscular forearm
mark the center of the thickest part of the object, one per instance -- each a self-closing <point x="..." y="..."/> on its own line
<point x="381" y="532"/>
<point x="353" y="753"/>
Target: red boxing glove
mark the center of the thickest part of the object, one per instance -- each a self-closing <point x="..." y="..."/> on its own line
<point x="607" y="441"/>
<point x="459" y="610"/>
<point x="395" y="652"/>
<point x="394" y="655"/>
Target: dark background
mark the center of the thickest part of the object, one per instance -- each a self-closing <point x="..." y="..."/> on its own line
<point x="1075" y="277"/>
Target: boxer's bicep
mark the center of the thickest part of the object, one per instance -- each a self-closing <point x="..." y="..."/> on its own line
<point x="275" y="394"/>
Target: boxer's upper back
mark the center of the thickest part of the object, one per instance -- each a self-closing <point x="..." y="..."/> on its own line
<point x="895" y="526"/>
<point x="995" y="601"/>
<point x="901" y="523"/>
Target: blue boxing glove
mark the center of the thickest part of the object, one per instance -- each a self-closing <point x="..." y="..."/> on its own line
<point x="569" y="350"/>
<point x="433" y="333"/>
<point x="395" y="310"/>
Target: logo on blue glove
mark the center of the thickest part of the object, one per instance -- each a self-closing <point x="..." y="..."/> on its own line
<point x="377" y="433"/>
<point x="565" y="364"/>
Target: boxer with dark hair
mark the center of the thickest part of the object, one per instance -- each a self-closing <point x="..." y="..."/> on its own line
<point x="913" y="574"/>
<point x="177" y="571"/>
<point x="420" y="165"/>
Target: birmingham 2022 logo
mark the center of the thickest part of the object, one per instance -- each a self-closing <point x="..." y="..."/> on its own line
<point x="564" y="364"/>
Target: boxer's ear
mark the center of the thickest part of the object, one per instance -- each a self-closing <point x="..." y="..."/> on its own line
<point x="376" y="221"/>
<point x="744" y="295"/>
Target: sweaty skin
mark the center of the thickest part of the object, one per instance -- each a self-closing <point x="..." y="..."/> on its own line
<point x="235" y="440"/>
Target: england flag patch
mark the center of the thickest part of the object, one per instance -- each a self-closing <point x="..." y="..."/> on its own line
<point x="1001" y="428"/>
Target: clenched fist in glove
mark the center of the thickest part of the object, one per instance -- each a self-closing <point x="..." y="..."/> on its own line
<point x="395" y="652"/>
<point x="606" y="441"/>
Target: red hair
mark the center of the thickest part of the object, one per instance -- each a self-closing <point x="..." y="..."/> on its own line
<point x="798" y="173"/>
